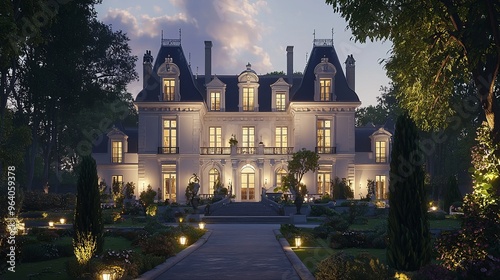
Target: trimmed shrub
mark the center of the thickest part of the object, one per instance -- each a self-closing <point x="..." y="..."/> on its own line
<point x="433" y="272"/>
<point x="159" y="244"/>
<point x="347" y="267"/>
<point x="320" y="210"/>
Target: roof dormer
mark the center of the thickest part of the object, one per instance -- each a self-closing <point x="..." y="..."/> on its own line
<point x="280" y="95"/>
<point x="216" y="95"/>
<point x="169" y="74"/>
<point x="380" y="141"/>
<point x="248" y="84"/>
<point x="118" y="144"/>
<point x="324" y="82"/>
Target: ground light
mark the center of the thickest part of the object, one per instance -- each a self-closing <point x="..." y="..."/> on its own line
<point x="201" y="225"/>
<point x="106" y="275"/>
<point x="181" y="219"/>
<point x="62" y="221"/>
<point x="51" y="224"/>
<point x="183" y="240"/>
<point x="298" y="241"/>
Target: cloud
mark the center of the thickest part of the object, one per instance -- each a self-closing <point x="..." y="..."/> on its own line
<point x="233" y="26"/>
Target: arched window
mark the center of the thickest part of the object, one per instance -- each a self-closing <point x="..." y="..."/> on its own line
<point x="213" y="177"/>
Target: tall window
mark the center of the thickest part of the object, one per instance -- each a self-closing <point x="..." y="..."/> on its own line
<point x="323" y="136"/>
<point x="280" y="173"/>
<point x="215" y="101"/>
<point x="116" y="152"/>
<point x="323" y="182"/>
<point x="280" y="101"/>
<point x="380" y="151"/>
<point x="325" y="86"/>
<point x="282" y="138"/>
<point x="380" y="192"/>
<point x="213" y="178"/>
<point x="168" y="89"/>
<point x="169" y="136"/>
<point x="215" y="138"/>
<point x="117" y="180"/>
<point x="248" y="136"/>
<point x="248" y="99"/>
<point x="170" y="190"/>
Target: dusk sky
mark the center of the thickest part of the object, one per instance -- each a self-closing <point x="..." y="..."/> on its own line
<point x="243" y="31"/>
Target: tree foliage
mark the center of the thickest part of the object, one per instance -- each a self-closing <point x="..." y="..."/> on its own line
<point x="408" y="226"/>
<point x="88" y="225"/>
<point x="387" y="108"/>
<point x="436" y="44"/>
<point x="302" y="162"/>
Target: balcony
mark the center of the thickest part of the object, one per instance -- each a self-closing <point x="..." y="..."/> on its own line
<point x="215" y="150"/>
<point x="326" y="150"/>
<point x="278" y="150"/>
<point x="246" y="150"/>
<point x="168" y="150"/>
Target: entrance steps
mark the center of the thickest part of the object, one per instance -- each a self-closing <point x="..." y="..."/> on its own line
<point x="246" y="213"/>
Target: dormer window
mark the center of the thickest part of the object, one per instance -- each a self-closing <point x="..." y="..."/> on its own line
<point x="280" y="91"/>
<point x="381" y="139"/>
<point x="216" y="93"/>
<point x="116" y="152"/>
<point x="169" y="73"/>
<point x="325" y="89"/>
<point x="215" y="101"/>
<point x="380" y="152"/>
<point x="248" y="99"/>
<point x="248" y="84"/>
<point x="325" y="79"/>
<point x="168" y="89"/>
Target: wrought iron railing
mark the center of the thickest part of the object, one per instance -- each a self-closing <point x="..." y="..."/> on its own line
<point x="326" y="150"/>
<point x="168" y="150"/>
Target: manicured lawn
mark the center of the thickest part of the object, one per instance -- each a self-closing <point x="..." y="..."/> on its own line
<point x="434" y="224"/>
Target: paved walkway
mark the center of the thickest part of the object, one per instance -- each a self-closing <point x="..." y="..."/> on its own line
<point x="235" y="251"/>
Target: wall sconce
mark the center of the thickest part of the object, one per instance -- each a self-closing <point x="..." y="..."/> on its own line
<point x="51" y="224"/>
<point x="298" y="241"/>
<point x="183" y="240"/>
<point x="181" y="219"/>
<point x="62" y="221"/>
<point x="265" y="182"/>
<point x="201" y="225"/>
<point x="229" y="181"/>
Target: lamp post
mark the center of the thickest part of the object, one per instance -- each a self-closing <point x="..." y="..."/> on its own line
<point x="51" y="224"/>
<point x="201" y="225"/>
<point x="62" y="221"/>
<point x="298" y="242"/>
<point x="182" y="240"/>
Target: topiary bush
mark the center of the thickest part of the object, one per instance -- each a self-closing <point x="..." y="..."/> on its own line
<point x="320" y="211"/>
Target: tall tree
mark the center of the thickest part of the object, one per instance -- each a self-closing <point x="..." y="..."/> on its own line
<point x="88" y="226"/>
<point x="408" y="226"/>
<point x="302" y="162"/>
<point x="386" y="109"/>
<point x="436" y="43"/>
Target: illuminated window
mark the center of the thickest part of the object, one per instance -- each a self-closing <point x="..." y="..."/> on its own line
<point x="213" y="178"/>
<point x="380" y="151"/>
<point x="323" y="136"/>
<point x="169" y="188"/>
<point x="380" y="192"/>
<point x="116" y="152"/>
<point x="215" y="101"/>
<point x="169" y="136"/>
<point x="168" y="89"/>
<point x="215" y="138"/>
<point x="282" y="138"/>
<point x="325" y="89"/>
<point x="117" y="180"/>
<point x="280" y="101"/>
<point x="248" y="99"/>
<point x="248" y="136"/>
<point x="280" y="173"/>
<point x="323" y="182"/>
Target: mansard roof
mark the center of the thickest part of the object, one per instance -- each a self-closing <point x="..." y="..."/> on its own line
<point x="189" y="89"/>
<point x="363" y="135"/>
<point x="118" y="128"/>
<point x="305" y="91"/>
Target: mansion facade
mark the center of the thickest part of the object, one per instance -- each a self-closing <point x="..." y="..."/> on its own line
<point x="242" y="129"/>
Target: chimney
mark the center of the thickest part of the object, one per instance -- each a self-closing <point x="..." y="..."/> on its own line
<point x="208" y="62"/>
<point x="289" y="64"/>
<point x="147" y="68"/>
<point x="350" y="73"/>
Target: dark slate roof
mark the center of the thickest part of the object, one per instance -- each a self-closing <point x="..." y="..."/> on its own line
<point x="189" y="89"/>
<point x="306" y="90"/>
<point x="363" y="142"/>
<point x="133" y="140"/>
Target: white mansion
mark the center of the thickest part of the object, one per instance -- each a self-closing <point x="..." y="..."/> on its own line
<point x="186" y="122"/>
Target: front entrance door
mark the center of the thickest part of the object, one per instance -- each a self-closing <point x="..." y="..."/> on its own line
<point x="169" y="187"/>
<point x="247" y="184"/>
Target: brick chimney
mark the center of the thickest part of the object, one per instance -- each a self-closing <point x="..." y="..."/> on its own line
<point x="208" y="62"/>
<point x="350" y="73"/>
<point x="289" y="64"/>
<point x="147" y="67"/>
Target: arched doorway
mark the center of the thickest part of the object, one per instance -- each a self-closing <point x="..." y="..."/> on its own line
<point x="247" y="184"/>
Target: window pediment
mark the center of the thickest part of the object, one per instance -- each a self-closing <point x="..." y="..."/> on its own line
<point x="168" y="69"/>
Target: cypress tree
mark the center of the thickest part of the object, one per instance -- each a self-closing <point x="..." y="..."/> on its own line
<point x="408" y="226"/>
<point x="88" y="214"/>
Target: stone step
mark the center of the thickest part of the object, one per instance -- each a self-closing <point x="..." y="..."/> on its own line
<point x="246" y="219"/>
<point x="244" y="209"/>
